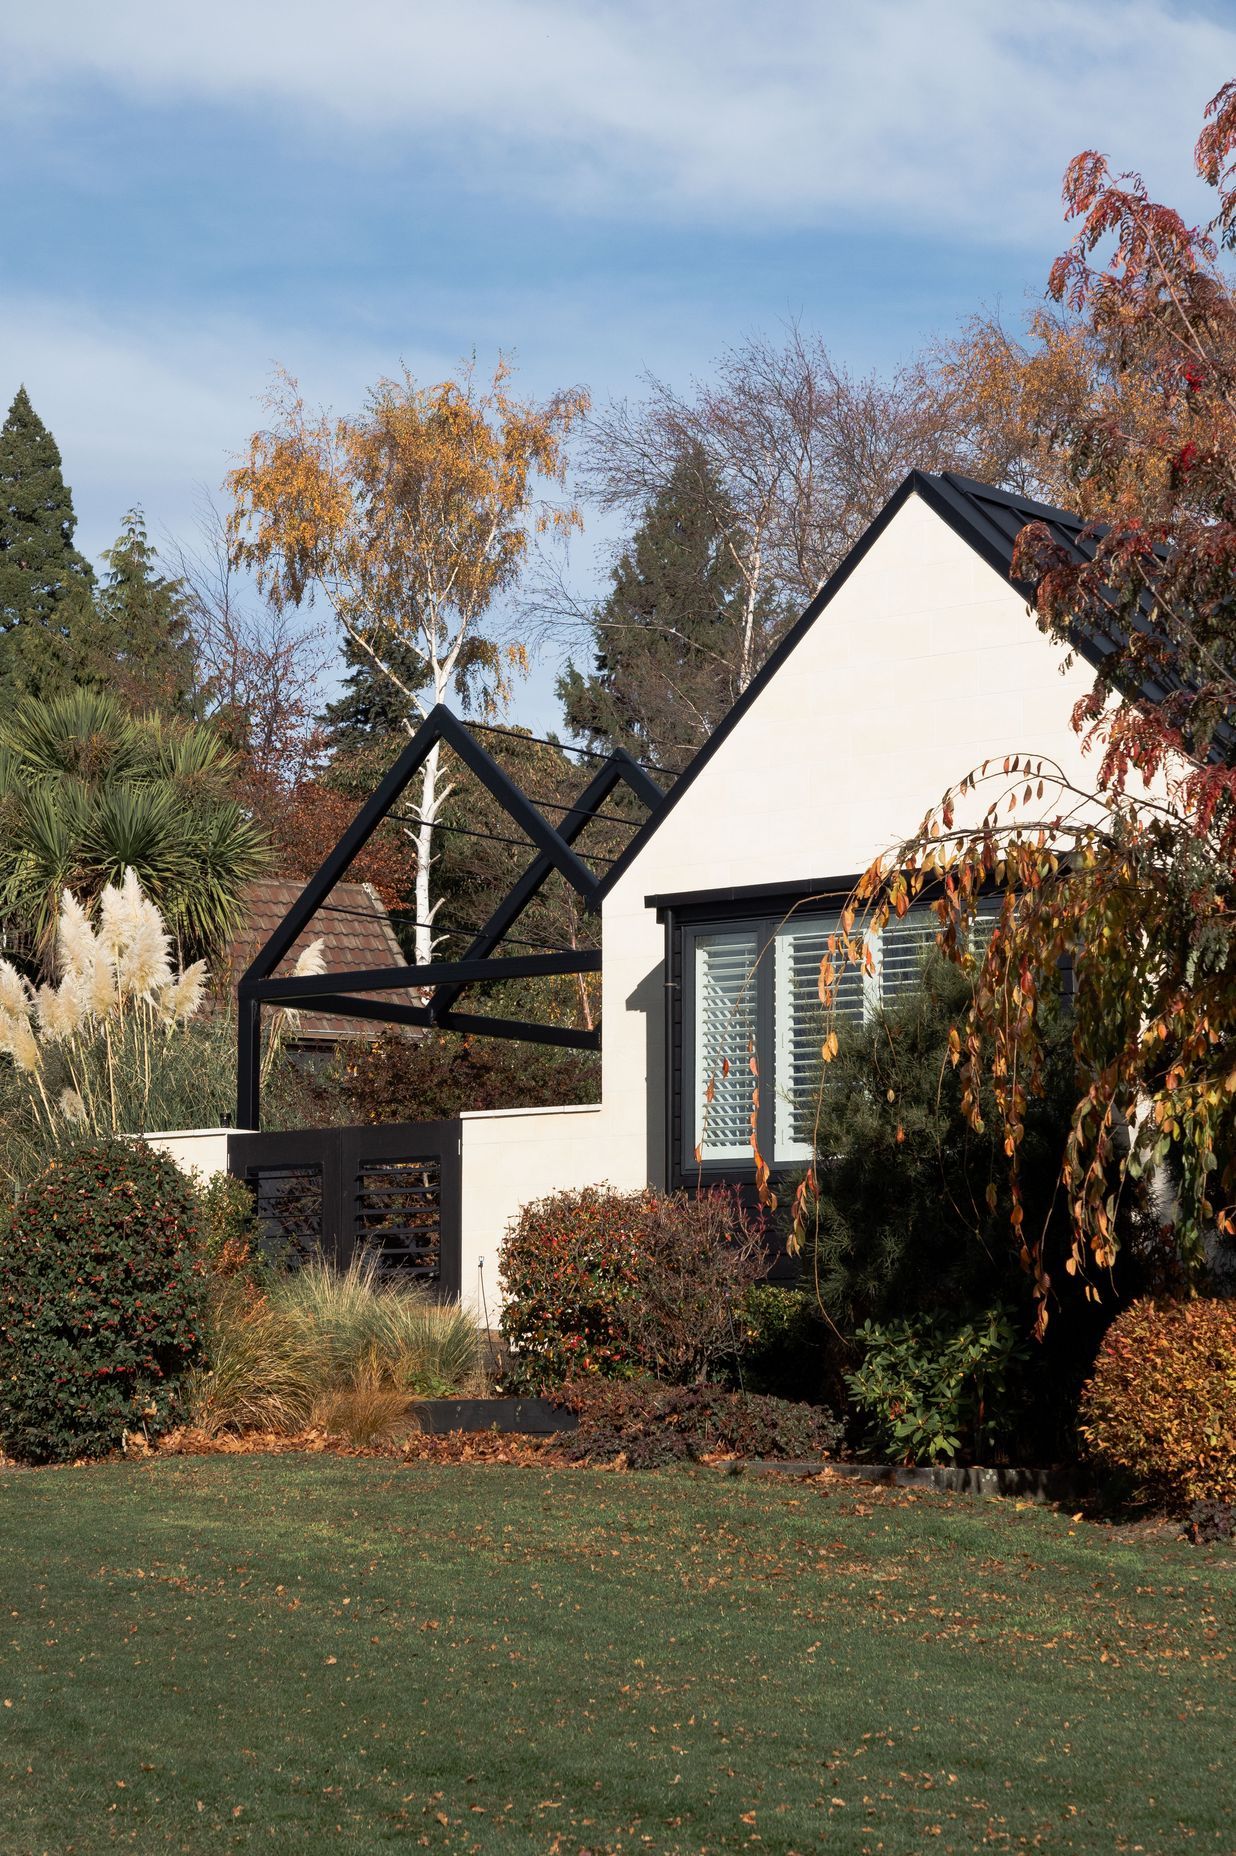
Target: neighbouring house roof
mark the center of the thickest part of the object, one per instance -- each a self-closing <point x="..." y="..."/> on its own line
<point x="988" y="519"/>
<point x="355" y="927"/>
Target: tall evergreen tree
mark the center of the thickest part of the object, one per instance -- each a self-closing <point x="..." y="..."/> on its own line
<point x="668" y="637"/>
<point x="372" y="708"/>
<point x="45" y="583"/>
<point x="144" y="648"/>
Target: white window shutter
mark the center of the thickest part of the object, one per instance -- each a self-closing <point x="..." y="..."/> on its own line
<point x="725" y="1032"/>
<point x="801" y="1023"/>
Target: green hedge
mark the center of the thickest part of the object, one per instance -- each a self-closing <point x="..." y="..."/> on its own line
<point x="101" y="1303"/>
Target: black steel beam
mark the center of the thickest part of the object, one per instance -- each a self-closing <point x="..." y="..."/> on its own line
<point x="618" y="770"/>
<point x="249" y="1064"/>
<point x="344" y="1005"/>
<point x="439" y="726"/>
<point x="566" y="1037"/>
<point x="296" y="989"/>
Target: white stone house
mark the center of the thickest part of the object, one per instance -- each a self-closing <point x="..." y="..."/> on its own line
<point x="917" y="661"/>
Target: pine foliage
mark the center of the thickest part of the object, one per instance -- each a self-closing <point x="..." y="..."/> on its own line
<point x="45" y="583"/>
<point x="668" y="637"/>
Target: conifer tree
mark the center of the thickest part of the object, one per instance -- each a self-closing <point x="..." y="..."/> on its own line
<point x="373" y="707"/>
<point x="45" y="583"/>
<point x="668" y="638"/>
<point x="143" y="646"/>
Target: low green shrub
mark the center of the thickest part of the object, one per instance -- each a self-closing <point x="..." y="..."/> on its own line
<point x="1160" y="1406"/>
<point x="1210" y="1522"/>
<point x="649" y="1424"/>
<point x="102" y="1303"/>
<point x="788" y="1349"/>
<point x="926" y="1391"/>
<point x="568" y="1262"/>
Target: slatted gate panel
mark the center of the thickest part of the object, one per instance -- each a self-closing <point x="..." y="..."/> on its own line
<point x="389" y="1192"/>
<point x="398" y="1215"/>
<point x="288" y="1201"/>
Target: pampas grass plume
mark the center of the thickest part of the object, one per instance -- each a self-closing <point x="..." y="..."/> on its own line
<point x="76" y="946"/>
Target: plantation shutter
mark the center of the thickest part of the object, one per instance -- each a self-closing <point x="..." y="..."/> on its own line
<point x="901" y="948"/>
<point x="725" y="1033"/>
<point x="905" y="944"/>
<point x="801" y="1024"/>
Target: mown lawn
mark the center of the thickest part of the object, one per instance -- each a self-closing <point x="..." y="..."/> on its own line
<point x="330" y="1654"/>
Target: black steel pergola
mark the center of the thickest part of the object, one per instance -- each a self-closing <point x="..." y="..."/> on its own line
<point x="442" y="980"/>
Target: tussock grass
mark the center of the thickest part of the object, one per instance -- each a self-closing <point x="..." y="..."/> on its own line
<point x="338" y="1348"/>
<point x="264" y="1372"/>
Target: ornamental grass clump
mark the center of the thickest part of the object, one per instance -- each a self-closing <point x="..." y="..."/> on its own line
<point x="1160" y="1409"/>
<point x="102" y="1304"/>
<point x="341" y="1350"/>
<point x="104" y="1050"/>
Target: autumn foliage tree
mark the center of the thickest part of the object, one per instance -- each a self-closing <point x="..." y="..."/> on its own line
<point x="408" y="521"/>
<point x="1129" y="886"/>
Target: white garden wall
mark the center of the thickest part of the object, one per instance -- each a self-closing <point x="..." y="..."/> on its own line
<point x="202" y="1151"/>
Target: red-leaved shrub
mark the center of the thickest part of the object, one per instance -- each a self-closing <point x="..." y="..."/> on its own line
<point x="1161" y="1404"/>
<point x="648" y="1424"/>
<point x="613" y="1283"/>
<point x="567" y="1264"/>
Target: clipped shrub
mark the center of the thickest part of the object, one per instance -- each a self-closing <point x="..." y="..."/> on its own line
<point x="1160" y="1407"/>
<point x="650" y="1424"/>
<point x="613" y="1283"/>
<point x="101" y="1303"/>
<point x="925" y="1391"/>
<point x="568" y="1263"/>
<point x="788" y="1349"/>
<point x="697" y="1258"/>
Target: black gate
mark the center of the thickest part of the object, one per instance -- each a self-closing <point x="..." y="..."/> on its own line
<point x="391" y="1192"/>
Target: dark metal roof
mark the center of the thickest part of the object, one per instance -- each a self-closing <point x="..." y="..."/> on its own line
<point x="987" y="518"/>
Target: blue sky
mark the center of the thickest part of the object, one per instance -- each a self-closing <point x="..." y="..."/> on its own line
<point x="195" y="193"/>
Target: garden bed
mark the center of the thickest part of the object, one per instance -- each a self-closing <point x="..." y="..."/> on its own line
<point x="526" y="1417"/>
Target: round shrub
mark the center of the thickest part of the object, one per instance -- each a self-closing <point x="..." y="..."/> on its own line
<point x="101" y="1303"/>
<point x="567" y="1264"/>
<point x="1161" y="1405"/>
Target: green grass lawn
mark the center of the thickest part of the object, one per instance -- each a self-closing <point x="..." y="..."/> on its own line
<point x="327" y="1654"/>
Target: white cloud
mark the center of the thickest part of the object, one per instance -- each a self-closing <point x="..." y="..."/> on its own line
<point x="947" y="113"/>
<point x="148" y="409"/>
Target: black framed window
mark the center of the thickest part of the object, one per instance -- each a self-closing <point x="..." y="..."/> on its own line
<point x="751" y="1018"/>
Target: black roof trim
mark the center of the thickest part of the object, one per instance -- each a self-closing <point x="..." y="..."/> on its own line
<point x="987" y="518"/>
<point x="803" y="889"/>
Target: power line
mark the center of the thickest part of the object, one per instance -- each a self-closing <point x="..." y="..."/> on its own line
<point x="409" y="916"/>
<point x="492" y="837"/>
<point x="565" y="747"/>
<point x="558" y="805"/>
